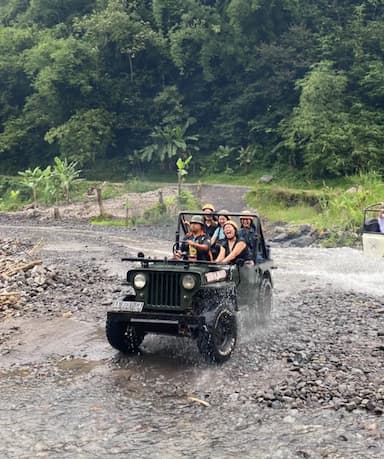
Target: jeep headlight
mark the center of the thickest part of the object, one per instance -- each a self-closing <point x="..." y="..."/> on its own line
<point x="139" y="281"/>
<point x="188" y="282"/>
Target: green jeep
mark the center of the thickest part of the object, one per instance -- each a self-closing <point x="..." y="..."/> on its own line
<point x="198" y="299"/>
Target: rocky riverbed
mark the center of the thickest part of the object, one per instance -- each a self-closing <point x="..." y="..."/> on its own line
<point x="309" y="385"/>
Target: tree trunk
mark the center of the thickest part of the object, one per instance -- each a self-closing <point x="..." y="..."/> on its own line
<point x="126" y="216"/>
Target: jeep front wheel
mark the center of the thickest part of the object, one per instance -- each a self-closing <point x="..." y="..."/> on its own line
<point x="123" y="337"/>
<point x="217" y="340"/>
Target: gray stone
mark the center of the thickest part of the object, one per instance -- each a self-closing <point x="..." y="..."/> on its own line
<point x="266" y="179"/>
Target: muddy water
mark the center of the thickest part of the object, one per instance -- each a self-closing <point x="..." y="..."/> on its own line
<point x="65" y="393"/>
<point x="341" y="268"/>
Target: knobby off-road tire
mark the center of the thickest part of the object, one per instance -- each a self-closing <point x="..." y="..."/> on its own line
<point x="264" y="307"/>
<point x="123" y="337"/>
<point x="217" y="341"/>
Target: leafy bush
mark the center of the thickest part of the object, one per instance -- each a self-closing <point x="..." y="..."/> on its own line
<point x="329" y="207"/>
<point x="185" y="201"/>
<point x="13" y="194"/>
<point x="156" y="214"/>
<point x="11" y="201"/>
<point x="288" y="197"/>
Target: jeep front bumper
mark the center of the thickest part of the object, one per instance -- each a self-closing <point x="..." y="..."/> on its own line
<point x="160" y="323"/>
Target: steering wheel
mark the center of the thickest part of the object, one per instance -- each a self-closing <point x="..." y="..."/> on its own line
<point x="181" y="255"/>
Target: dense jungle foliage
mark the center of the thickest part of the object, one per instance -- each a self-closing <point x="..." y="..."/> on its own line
<point x="237" y="84"/>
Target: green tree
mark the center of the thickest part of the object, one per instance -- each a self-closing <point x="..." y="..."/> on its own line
<point x="63" y="72"/>
<point x="318" y="134"/>
<point x="168" y="142"/>
<point x="84" y="137"/>
<point x="106" y="79"/>
<point x="118" y="31"/>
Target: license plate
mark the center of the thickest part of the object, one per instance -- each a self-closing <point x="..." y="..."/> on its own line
<point x="132" y="306"/>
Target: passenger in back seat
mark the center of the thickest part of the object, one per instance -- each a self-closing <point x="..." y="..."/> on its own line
<point x="234" y="249"/>
<point x="248" y="229"/>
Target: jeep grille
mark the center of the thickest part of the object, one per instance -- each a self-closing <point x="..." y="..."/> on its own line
<point x="164" y="289"/>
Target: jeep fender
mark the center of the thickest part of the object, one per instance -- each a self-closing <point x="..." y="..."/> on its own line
<point x="212" y="297"/>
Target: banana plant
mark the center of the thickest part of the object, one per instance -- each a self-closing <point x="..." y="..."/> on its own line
<point x="32" y="179"/>
<point x="167" y="142"/>
<point x="66" y="173"/>
<point x="182" y="165"/>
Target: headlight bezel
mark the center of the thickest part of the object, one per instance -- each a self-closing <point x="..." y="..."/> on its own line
<point x="188" y="282"/>
<point x="139" y="281"/>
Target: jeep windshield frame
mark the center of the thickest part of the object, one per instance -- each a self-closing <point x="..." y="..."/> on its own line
<point x="182" y="229"/>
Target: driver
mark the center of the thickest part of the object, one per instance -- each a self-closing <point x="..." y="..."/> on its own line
<point x="196" y="243"/>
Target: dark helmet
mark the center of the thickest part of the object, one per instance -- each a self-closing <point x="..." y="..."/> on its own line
<point x="197" y="219"/>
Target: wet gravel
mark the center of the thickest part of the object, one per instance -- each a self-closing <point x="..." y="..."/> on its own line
<point x="310" y="385"/>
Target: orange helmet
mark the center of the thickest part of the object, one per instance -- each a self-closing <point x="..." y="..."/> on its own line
<point x="208" y="207"/>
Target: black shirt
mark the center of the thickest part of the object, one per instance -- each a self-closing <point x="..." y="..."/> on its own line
<point x="193" y="253"/>
<point x="210" y="230"/>
<point x="243" y="255"/>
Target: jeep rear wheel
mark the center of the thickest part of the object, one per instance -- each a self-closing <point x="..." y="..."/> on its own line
<point x="217" y="340"/>
<point x="264" y="307"/>
<point x="123" y="337"/>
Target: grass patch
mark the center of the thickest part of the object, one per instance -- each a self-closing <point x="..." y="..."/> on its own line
<point x="287" y="178"/>
<point x="108" y="221"/>
<point x="326" y="207"/>
<point x="287" y="197"/>
<point x="112" y="189"/>
<point x="297" y="214"/>
<point x="14" y="195"/>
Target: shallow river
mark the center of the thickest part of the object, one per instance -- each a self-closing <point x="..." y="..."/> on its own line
<point x="64" y="393"/>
